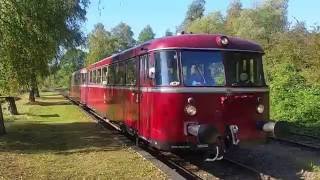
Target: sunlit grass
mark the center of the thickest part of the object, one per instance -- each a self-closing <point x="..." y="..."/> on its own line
<point x="53" y="139"/>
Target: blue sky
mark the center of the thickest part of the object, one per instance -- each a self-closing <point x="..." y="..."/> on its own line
<point x="164" y="14"/>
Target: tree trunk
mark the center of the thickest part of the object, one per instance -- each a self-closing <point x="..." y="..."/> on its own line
<point x="2" y="128"/>
<point x="12" y="106"/>
<point x="31" y="95"/>
<point x="36" y="92"/>
<point x="33" y="84"/>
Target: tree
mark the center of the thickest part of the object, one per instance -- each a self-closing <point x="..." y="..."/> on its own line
<point x="123" y="35"/>
<point x="212" y="23"/>
<point x="70" y="62"/>
<point x="146" y="34"/>
<point x="32" y="32"/>
<point x="195" y="11"/>
<point x="2" y="127"/>
<point x="233" y="12"/>
<point x="261" y="22"/>
<point x="168" y="33"/>
<point x="101" y="44"/>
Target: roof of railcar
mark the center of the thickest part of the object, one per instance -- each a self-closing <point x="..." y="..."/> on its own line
<point x="185" y="41"/>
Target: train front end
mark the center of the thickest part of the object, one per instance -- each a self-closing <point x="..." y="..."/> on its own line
<point x="209" y="99"/>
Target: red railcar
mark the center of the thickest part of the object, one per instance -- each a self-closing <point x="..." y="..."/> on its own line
<point x="191" y="91"/>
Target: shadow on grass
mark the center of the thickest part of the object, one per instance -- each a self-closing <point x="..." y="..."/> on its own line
<point x="52" y="98"/>
<point x="43" y="103"/>
<point x="51" y="94"/>
<point x="66" y="138"/>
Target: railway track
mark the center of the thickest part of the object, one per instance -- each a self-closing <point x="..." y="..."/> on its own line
<point x="300" y="140"/>
<point x="187" y="168"/>
<point x="168" y="159"/>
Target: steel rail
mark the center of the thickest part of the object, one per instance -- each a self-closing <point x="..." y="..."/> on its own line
<point x="244" y="166"/>
<point x="295" y="143"/>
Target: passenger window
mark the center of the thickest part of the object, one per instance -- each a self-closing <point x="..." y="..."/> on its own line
<point x="84" y="80"/>
<point x="90" y="76"/>
<point x="120" y="74"/>
<point x="94" y="76"/>
<point x="98" y="76"/>
<point x="144" y="66"/>
<point x="105" y="74"/>
<point x="111" y="77"/>
<point x="166" y="67"/>
<point x="131" y="72"/>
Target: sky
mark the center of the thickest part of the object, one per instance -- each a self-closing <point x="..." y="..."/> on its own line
<point x="167" y="14"/>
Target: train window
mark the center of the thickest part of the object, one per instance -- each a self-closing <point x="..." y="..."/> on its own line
<point x="202" y="68"/>
<point x="77" y="79"/>
<point x="144" y="66"/>
<point x="105" y="74"/>
<point x="166" y="68"/>
<point x="131" y="72"/>
<point x="120" y="74"/>
<point x="244" y="69"/>
<point x="90" y="76"/>
<point x="83" y="78"/>
<point x="111" y="77"/>
<point x="98" y="76"/>
<point x="94" y="76"/>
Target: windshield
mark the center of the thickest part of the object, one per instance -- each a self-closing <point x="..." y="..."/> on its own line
<point x="209" y="68"/>
<point x="203" y="68"/>
<point x="244" y="69"/>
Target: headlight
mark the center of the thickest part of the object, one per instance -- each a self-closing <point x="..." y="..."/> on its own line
<point x="260" y="108"/>
<point x="191" y="110"/>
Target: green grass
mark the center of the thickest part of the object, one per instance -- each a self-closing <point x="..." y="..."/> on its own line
<point x="316" y="171"/>
<point x="53" y="139"/>
<point x="302" y="127"/>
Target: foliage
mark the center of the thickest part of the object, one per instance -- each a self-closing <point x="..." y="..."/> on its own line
<point x="71" y="61"/>
<point x="101" y="44"/>
<point x="31" y="33"/>
<point x="124" y="35"/>
<point x="168" y="33"/>
<point x="212" y="23"/>
<point x="146" y="34"/>
<point x="195" y="10"/>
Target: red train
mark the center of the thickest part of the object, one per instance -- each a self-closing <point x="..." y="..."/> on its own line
<point x="192" y="91"/>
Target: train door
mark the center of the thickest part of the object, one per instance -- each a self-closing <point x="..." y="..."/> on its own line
<point x="84" y="89"/>
<point x="144" y="104"/>
<point x="132" y="94"/>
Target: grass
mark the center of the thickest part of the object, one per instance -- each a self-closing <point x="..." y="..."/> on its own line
<point x="53" y="139"/>
<point x="302" y="127"/>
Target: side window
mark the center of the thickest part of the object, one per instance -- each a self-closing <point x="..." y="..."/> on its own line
<point x="105" y="74"/>
<point x="131" y="72"/>
<point x="98" y="76"/>
<point x="166" y="68"/>
<point x="144" y="66"/>
<point x="111" y="74"/>
<point x="116" y="74"/>
<point x="121" y="74"/>
<point x="94" y="76"/>
<point x="90" y="76"/>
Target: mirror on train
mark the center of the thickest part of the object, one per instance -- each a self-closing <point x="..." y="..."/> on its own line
<point x="152" y="72"/>
<point x="104" y="83"/>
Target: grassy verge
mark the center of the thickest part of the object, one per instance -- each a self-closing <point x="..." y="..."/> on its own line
<point x="303" y="127"/>
<point x="316" y="171"/>
<point x="53" y="139"/>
